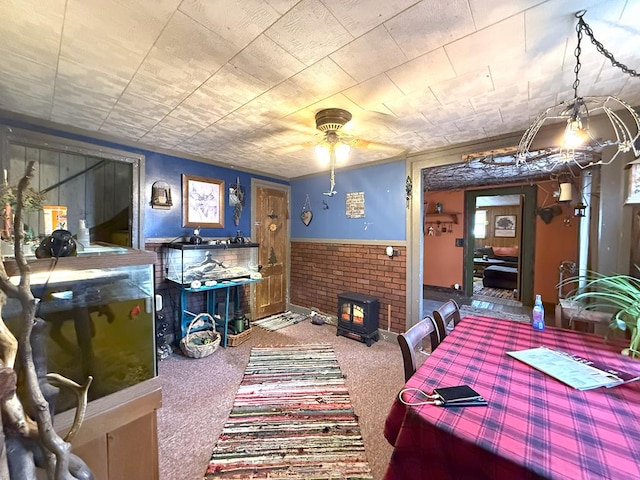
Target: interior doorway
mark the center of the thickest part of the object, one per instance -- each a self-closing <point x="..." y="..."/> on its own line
<point x="496" y="239"/>
<point x="501" y="255"/>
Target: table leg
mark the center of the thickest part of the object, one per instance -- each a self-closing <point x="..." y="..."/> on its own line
<point x="226" y="316"/>
<point x="184" y="321"/>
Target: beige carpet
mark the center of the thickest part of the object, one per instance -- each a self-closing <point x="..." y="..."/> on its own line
<point x="198" y="395"/>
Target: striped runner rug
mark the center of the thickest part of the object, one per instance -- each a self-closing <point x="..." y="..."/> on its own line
<point x="291" y="419"/>
<point x="281" y="320"/>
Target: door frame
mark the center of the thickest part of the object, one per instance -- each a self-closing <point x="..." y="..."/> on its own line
<point x="415" y="164"/>
<point x="529" y="204"/>
<point x="255" y="184"/>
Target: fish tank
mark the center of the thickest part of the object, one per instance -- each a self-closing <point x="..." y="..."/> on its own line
<point x="185" y="263"/>
<point x="96" y="318"/>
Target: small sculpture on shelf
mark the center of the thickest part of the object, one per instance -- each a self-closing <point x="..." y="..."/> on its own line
<point x="196" y="239"/>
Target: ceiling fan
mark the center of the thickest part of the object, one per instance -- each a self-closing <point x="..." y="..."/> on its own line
<point x="333" y="147"/>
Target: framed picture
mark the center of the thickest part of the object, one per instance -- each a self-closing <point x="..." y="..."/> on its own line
<point x="505" y="226"/>
<point x="202" y="202"/>
<point x="633" y="188"/>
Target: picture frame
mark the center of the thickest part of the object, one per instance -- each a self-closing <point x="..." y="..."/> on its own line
<point x="633" y="183"/>
<point x="202" y="202"/>
<point x="505" y="226"/>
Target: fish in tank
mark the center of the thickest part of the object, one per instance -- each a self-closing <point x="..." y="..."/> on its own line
<point x="103" y="333"/>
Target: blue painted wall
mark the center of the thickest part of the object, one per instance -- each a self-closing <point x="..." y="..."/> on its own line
<point x="385" y="204"/>
<point x="168" y="223"/>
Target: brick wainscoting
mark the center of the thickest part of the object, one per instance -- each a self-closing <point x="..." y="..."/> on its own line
<point x="321" y="271"/>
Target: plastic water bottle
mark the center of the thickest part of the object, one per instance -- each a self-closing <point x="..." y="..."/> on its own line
<point x="538" y="314"/>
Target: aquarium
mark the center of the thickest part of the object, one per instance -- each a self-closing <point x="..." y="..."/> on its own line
<point x="186" y="263"/>
<point x="97" y="319"/>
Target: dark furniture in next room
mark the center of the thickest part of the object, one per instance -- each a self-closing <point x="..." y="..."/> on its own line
<point x="498" y="276"/>
<point x="497" y="266"/>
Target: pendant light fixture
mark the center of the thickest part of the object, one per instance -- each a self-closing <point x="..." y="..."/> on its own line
<point x="579" y="141"/>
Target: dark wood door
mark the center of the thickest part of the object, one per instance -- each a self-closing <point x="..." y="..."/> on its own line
<point x="272" y="221"/>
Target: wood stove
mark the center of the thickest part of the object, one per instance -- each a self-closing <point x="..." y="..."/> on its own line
<point x="358" y="317"/>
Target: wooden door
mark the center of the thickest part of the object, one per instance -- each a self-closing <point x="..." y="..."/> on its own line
<point x="272" y="223"/>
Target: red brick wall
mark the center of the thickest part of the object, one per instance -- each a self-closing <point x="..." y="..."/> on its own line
<point x="321" y="271"/>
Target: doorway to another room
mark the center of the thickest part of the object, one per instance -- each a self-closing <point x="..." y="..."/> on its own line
<point x="500" y="227"/>
<point x="495" y="240"/>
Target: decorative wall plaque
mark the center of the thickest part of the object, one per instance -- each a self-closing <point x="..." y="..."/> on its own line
<point x="355" y="205"/>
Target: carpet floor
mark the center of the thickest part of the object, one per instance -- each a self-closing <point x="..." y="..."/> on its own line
<point x="198" y="394"/>
<point x="291" y="419"/>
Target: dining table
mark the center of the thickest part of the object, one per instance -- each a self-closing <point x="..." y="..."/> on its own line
<point x="533" y="426"/>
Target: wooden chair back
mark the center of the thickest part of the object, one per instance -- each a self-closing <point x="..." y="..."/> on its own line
<point x="570" y="315"/>
<point x="448" y="314"/>
<point x="410" y="341"/>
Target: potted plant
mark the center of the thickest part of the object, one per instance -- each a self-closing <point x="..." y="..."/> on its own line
<point x="617" y="292"/>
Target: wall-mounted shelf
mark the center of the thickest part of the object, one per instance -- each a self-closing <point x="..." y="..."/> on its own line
<point x="451" y="217"/>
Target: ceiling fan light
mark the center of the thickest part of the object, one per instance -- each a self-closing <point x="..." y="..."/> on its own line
<point x="322" y="153"/>
<point x="342" y="152"/>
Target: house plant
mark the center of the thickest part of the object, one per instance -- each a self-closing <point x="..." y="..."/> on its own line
<point x="617" y="292"/>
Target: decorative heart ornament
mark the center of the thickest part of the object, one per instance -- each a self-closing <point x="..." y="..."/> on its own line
<point x="306" y="216"/>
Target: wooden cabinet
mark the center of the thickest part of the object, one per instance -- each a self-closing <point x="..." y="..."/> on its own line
<point x="118" y="439"/>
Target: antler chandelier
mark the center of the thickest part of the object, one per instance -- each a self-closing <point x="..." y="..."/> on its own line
<point x="579" y="142"/>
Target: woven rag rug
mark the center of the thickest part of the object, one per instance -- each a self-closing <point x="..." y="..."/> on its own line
<point x="281" y="320"/>
<point x="291" y="419"/>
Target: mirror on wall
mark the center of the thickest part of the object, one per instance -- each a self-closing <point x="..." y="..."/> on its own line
<point x="84" y="188"/>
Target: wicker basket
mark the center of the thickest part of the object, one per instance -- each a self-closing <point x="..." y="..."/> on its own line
<point x="203" y="342"/>
<point x="235" y="340"/>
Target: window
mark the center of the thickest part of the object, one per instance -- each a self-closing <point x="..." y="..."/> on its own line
<point x="480" y="224"/>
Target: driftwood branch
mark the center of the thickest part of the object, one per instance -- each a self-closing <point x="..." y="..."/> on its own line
<point x="46" y="446"/>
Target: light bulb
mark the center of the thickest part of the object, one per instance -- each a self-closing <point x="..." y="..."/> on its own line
<point x="322" y="153"/>
<point x="342" y="152"/>
<point x="575" y="134"/>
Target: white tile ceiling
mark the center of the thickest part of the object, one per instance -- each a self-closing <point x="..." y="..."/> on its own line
<point x="239" y="82"/>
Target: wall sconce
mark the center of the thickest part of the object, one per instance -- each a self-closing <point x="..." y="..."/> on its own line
<point x="566" y="193"/>
<point x="391" y="252"/>
<point x="579" y="210"/>
<point x="161" y="195"/>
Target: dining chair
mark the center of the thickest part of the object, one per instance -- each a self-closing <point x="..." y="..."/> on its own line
<point x="447" y="316"/>
<point x="569" y="314"/>
<point x="411" y="340"/>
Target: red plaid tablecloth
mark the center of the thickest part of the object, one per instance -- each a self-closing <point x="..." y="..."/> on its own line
<point x="534" y="426"/>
